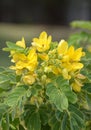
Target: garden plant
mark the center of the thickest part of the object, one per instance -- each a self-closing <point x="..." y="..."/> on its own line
<point x="48" y="85"/>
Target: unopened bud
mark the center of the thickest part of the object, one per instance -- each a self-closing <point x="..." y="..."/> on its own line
<point x="43" y="78"/>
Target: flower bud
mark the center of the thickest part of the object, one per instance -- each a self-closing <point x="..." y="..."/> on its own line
<point x="43" y="78"/>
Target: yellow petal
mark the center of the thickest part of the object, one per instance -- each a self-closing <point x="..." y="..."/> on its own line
<point x="62" y="47"/>
<point x="77" y="54"/>
<point x="32" y="54"/>
<point x="65" y="58"/>
<point x="76" y="87"/>
<point x="70" y="51"/>
<point x="21" y="43"/>
<point x="77" y="66"/>
<point x="49" y="39"/>
<point x="43" y="56"/>
<point x="68" y="66"/>
<point x="43" y="35"/>
<point x="18" y="56"/>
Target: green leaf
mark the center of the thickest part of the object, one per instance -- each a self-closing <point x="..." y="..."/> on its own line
<point x="3" y="110"/>
<point x="34" y="121"/>
<point x="81" y="39"/>
<point x="76" y="110"/>
<point x="57" y="97"/>
<point x="44" y="112"/>
<point x="88" y="98"/>
<point x="2" y="69"/>
<point x="64" y="121"/>
<point x="32" y="117"/>
<point x="59" y="115"/>
<point x="5" y="125"/>
<point x="73" y="124"/>
<point x="60" y="122"/>
<point x="72" y="97"/>
<point x="54" y="123"/>
<point x="13" y="47"/>
<point x="72" y="119"/>
<point x="61" y="81"/>
<point x="16" y="95"/>
<point x="87" y="87"/>
<point x="64" y="87"/>
<point x="4" y="81"/>
<point x="81" y="24"/>
<point x="21" y="127"/>
<point x="7" y="120"/>
<point x="76" y="118"/>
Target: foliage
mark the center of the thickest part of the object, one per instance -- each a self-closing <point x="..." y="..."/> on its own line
<point x="48" y="87"/>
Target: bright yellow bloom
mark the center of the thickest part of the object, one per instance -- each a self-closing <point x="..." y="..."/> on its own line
<point x="18" y="56"/>
<point x="75" y="55"/>
<point x="21" y="43"/>
<point x="25" y="62"/>
<point x="42" y="43"/>
<point x="70" y="60"/>
<point x="70" y="56"/>
<point x="61" y="60"/>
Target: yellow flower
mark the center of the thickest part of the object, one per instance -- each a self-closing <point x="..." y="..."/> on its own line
<point x="69" y="54"/>
<point x="28" y="62"/>
<point x="21" y="43"/>
<point x="70" y="59"/>
<point x="42" y="43"/>
<point x="74" y="55"/>
<point x="18" y="56"/>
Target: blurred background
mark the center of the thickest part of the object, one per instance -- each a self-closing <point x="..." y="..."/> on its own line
<point x="27" y="18"/>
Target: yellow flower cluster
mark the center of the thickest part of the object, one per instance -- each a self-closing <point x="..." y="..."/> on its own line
<point x="25" y="64"/>
<point x="44" y="57"/>
<point x="42" y="43"/>
<point x="70" y="58"/>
